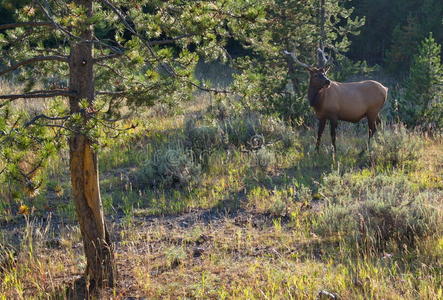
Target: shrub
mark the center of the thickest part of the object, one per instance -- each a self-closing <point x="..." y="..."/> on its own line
<point x="395" y="147"/>
<point x="253" y="131"/>
<point x="249" y="130"/>
<point x="434" y="116"/>
<point x="243" y="130"/>
<point x="203" y="138"/>
<point x="264" y="158"/>
<point x="170" y="165"/>
<point x="378" y="213"/>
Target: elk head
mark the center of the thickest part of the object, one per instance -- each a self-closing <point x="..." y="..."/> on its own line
<point x="318" y="79"/>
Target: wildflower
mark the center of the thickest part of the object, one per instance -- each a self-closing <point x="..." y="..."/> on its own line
<point x="23" y="209"/>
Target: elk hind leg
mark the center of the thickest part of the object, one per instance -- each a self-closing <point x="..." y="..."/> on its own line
<point x="333" y="124"/>
<point x="373" y="121"/>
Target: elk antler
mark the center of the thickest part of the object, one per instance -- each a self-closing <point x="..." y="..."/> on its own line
<point x="322" y="60"/>
<point x="294" y="57"/>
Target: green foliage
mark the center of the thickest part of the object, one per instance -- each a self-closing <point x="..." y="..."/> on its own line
<point x="404" y="39"/>
<point x="424" y="85"/>
<point x="395" y="147"/>
<point x="393" y="31"/>
<point x="202" y="139"/>
<point x="24" y="151"/>
<point x="170" y="165"/>
<point x="270" y="81"/>
<point x="225" y="127"/>
<point x="346" y="68"/>
<point x="143" y="55"/>
<point x="264" y="158"/>
<point x="380" y="213"/>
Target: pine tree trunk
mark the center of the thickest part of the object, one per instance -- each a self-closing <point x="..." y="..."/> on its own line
<point x="100" y="270"/>
<point x="292" y="74"/>
<point x="292" y="71"/>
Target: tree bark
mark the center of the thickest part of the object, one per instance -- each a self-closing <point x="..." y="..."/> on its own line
<point x="292" y="71"/>
<point x="292" y="74"/>
<point x="100" y="271"/>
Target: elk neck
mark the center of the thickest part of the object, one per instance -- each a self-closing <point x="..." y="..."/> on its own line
<point x="313" y="96"/>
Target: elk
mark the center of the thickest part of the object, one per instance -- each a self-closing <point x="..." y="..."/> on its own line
<point x="340" y="101"/>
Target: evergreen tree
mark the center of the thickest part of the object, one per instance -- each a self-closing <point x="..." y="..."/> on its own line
<point x="99" y="54"/>
<point x="289" y="25"/>
<point x="425" y="83"/>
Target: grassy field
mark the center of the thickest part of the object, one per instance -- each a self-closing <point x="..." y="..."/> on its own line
<point x="206" y="203"/>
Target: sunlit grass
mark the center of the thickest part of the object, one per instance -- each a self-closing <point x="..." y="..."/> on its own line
<point x="247" y="228"/>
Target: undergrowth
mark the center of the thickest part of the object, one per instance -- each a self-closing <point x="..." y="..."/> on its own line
<point x="215" y="203"/>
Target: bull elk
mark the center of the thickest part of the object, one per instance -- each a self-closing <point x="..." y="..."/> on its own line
<point x="334" y="101"/>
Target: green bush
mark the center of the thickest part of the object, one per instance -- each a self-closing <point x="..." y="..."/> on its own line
<point x="395" y="147"/>
<point x="248" y="130"/>
<point x="170" y="165"/>
<point x="253" y="131"/>
<point x="434" y="117"/>
<point x="380" y="213"/>
<point x="203" y="138"/>
<point x="264" y="158"/>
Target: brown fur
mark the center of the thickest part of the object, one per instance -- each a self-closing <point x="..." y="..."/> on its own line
<point x="349" y="102"/>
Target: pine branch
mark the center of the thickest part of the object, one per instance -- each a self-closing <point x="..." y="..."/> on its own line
<point x="106" y="57"/>
<point x="36" y="94"/>
<point x="151" y="43"/>
<point x="202" y="88"/>
<point x="54" y="23"/>
<point x="122" y="18"/>
<point x="120" y="14"/>
<point x="43" y="116"/>
<point x="33" y="60"/>
<point x="171" y="40"/>
<point x="25" y="24"/>
<point x="111" y="93"/>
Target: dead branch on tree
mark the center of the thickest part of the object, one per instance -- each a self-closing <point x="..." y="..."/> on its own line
<point x="25" y="24"/>
<point x="43" y="116"/>
<point x="33" y="60"/>
<point x="36" y="94"/>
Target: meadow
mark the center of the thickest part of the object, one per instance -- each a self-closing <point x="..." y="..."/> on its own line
<point x="205" y="202"/>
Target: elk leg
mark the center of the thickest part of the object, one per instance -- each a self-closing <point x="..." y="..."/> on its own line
<point x="372" y="126"/>
<point x="333" y="124"/>
<point x="378" y="121"/>
<point x="321" y="127"/>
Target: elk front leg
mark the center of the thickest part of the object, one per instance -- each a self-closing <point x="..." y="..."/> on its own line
<point x="321" y="127"/>
<point x="333" y="124"/>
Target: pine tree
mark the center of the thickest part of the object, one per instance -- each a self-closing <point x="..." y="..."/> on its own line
<point x="289" y="25"/>
<point x="424" y="85"/>
<point x="100" y="53"/>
